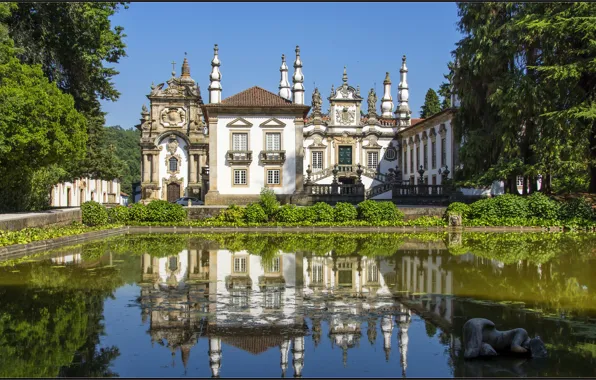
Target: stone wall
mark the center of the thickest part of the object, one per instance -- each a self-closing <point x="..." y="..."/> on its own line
<point x="416" y="212"/>
<point x="58" y="217"/>
<point x="204" y="212"/>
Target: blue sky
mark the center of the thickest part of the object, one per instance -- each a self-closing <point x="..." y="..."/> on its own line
<point x="368" y="38"/>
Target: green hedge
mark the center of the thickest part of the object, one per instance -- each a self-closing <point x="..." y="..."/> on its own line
<point x="94" y="214"/>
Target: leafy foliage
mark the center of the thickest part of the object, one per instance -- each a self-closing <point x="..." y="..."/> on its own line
<point x="577" y="208"/>
<point x="345" y="212"/>
<point x="458" y="208"/>
<point x="543" y="207"/>
<point x="289" y="213"/>
<point x="94" y="214"/>
<point x="118" y="214"/>
<point x="233" y="214"/>
<point x="138" y="212"/>
<point x="164" y="211"/>
<point x="375" y="212"/>
<point x="269" y="203"/>
<point x="254" y="213"/>
<point x="431" y="104"/>
<point x="126" y="148"/>
<point x="323" y="211"/>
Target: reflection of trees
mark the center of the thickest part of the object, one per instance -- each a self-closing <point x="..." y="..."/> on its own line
<point x="53" y="314"/>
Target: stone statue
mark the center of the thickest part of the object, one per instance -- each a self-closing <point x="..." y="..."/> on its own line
<point x="372" y="103"/>
<point x="317" y="102"/>
<point x="155" y="90"/>
<point x="481" y="338"/>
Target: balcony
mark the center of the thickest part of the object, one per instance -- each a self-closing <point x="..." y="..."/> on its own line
<point x="273" y="157"/>
<point x="239" y="157"/>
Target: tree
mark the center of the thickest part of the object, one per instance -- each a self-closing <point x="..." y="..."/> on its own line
<point x="73" y="42"/>
<point x="431" y="104"/>
<point x="445" y="88"/>
<point x="40" y="130"/>
<point x="127" y="149"/>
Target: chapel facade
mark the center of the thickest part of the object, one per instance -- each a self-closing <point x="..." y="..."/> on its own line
<point x="226" y="150"/>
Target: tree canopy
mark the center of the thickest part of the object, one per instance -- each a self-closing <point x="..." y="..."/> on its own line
<point x="525" y="75"/>
<point x="432" y="104"/>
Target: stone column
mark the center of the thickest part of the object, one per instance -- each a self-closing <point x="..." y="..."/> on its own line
<point x="155" y="167"/>
<point x="299" y="149"/>
<point x="146" y="167"/>
<point x="192" y="174"/>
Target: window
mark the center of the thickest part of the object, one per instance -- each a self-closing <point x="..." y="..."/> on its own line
<point x="417" y="157"/>
<point x="239" y="141"/>
<point x="433" y="160"/>
<point x="373" y="160"/>
<point x="173" y="164"/>
<point x="317" y="160"/>
<point x="372" y="273"/>
<point x="405" y="163"/>
<point x="273" y="141"/>
<point x="240" y="265"/>
<point x="520" y="180"/>
<point x="273" y="177"/>
<point x="317" y="274"/>
<point x="240" y="177"/>
<point x="412" y="160"/>
<point x="272" y="267"/>
<point x="434" y="179"/>
<point x="443" y="151"/>
<point x="425" y="159"/>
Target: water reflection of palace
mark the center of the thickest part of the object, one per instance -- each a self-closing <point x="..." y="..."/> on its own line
<point x="241" y="300"/>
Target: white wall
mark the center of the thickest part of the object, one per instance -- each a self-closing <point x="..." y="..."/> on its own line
<point x="183" y="162"/>
<point x="256" y="140"/>
<point x="92" y="189"/>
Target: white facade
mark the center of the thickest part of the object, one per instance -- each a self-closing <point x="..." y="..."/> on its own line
<point x="81" y="190"/>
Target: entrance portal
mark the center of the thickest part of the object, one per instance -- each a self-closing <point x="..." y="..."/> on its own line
<point x="345" y="155"/>
<point x="173" y="192"/>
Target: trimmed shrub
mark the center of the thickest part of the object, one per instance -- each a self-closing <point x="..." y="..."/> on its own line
<point x="375" y="211"/>
<point x="254" y="213"/>
<point x="137" y="212"/>
<point x="233" y="214"/>
<point x="511" y="206"/>
<point x="323" y="211"/>
<point x="483" y="209"/>
<point x="94" y="214"/>
<point x="118" y="214"/>
<point x="164" y="211"/>
<point x="309" y="214"/>
<point x="344" y="212"/>
<point x="577" y="208"/>
<point x="269" y="202"/>
<point x="390" y="212"/>
<point x="543" y="207"/>
<point x="289" y="214"/>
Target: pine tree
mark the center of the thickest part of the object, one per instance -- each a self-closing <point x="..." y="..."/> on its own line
<point x="431" y="104"/>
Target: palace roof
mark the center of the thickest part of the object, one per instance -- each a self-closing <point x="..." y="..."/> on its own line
<point x="257" y="97"/>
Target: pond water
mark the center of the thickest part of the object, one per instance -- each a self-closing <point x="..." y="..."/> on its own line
<point x="328" y="305"/>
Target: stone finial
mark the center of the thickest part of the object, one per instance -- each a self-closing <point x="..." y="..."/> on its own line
<point x="344" y="78"/>
<point x="284" y="84"/>
<point x="387" y="100"/>
<point x="403" y="109"/>
<point x="144" y="109"/>
<point x="215" y="77"/>
<point x="298" y="79"/>
<point x="185" y="68"/>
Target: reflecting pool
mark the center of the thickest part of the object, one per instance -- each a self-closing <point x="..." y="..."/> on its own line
<point x="297" y="305"/>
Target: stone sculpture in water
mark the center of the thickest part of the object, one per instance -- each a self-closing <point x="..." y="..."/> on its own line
<point x="481" y="338"/>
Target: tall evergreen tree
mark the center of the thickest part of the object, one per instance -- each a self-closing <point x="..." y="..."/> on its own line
<point x="432" y="104"/>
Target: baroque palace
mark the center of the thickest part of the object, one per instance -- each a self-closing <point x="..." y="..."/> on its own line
<point x="225" y="151"/>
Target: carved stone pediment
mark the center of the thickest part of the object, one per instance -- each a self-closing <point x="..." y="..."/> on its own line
<point x="173" y="117"/>
<point x="317" y="143"/>
<point x="372" y="143"/>
<point x="344" y="139"/>
<point x="273" y="123"/>
<point x="345" y="92"/>
<point x="240" y="123"/>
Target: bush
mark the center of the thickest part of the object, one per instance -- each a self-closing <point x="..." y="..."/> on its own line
<point x="137" y="212"/>
<point x="309" y="214"/>
<point x="289" y="214"/>
<point x="269" y="203"/>
<point x="94" y="214"/>
<point x="457" y="208"/>
<point x="511" y="206"/>
<point x="164" y="211"/>
<point x="233" y="214"/>
<point x="118" y="214"/>
<point x="323" y="211"/>
<point x="375" y="212"/>
<point x="484" y="208"/>
<point x="389" y="212"/>
<point x="344" y="212"/>
<point x="577" y="208"/>
<point x="543" y="207"/>
<point x="254" y="213"/>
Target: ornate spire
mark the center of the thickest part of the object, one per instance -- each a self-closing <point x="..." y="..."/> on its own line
<point x="298" y="79"/>
<point x="285" y="351"/>
<point x="332" y="90"/>
<point x="387" y="101"/>
<point x="215" y="356"/>
<point x="284" y="84"/>
<point x="298" y="356"/>
<point x="215" y="85"/>
<point x="344" y="78"/>
<point x="387" y="329"/>
<point x="403" y="95"/>
<point x="185" y="77"/>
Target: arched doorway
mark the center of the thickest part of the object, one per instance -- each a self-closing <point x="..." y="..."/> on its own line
<point x="173" y="192"/>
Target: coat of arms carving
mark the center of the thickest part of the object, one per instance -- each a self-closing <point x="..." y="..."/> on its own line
<point x="173" y="117"/>
<point x="345" y="116"/>
<point x="172" y="145"/>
